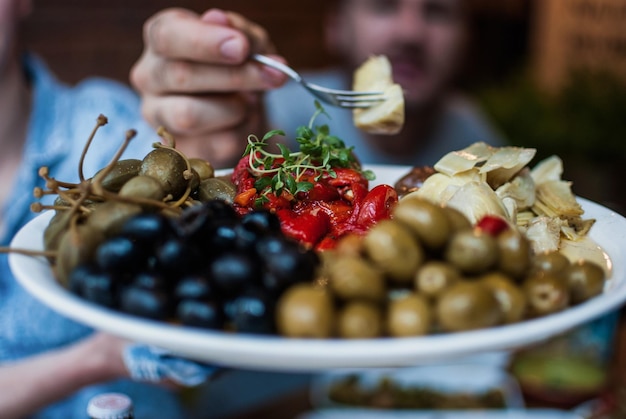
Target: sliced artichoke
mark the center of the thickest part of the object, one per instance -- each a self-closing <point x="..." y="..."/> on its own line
<point x="477" y="199"/>
<point x="521" y="189"/>
<point x="547" y="170"/>
<point x="438" y="188"/>
<point x="505" y="163"/>
<point x="462" y="160"/>
<point x="386" y="117"/>
<point x="544" y="234"/>
<point x="555" y="199"/>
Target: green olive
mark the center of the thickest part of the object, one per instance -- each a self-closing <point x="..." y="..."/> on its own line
<point x="546" y="293"/>
<point x="122" y="172"/>
<point x="586" y="279"/>
<point x="360" y="320"/>
<point x="349" y="244"/>
<point x="553" y="262"/>
<point x="55" y="229"/>
<point x="458" y="221"/>
<point x="424" y="219"/>
<point x="466" y="306"/>
<point x="511" y="298"/>
<point x="216" y="188"/>
<point x="305" y="311"/>
<point x="352" y="277"/>
<point x="409" y="315"/>
<point x="204" y="169"/>
<point x="145" y="187"/>
<point x="514" y="253"/>
<point x="472" y="251"/>
<point x="393" y="249"/>
<point x="434" y="277"/>
<point x="77" y="245"/>
<point x="109" y="216"/>
<point x="168" y="167"/>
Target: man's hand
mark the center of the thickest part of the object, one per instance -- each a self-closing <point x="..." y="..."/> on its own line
<point x="196" y="81"/>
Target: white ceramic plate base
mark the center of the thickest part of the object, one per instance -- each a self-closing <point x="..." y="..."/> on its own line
<point x="277" y="353"/>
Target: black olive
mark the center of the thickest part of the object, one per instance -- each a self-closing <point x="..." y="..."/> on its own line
<point x="205" y="314"/>
<point x="150" y="281"/>
<point x="261" y="221"/>
<point x="232" y="272"/>
<point x="288" y="267"/>
<point x="78" y="276"/>
<point x="224" y="237"/>
<point x="195" y="224"/>
<point x="101" y="288"/>
<point x="220" y="210"/>
<point x="121" y="254"/>
<point x="252" y="312"/>
<point x="142" y="302"/>
<point x="147" y="228"/>
<point x="271" y="244"/>
<point x="176" y="257"/>
<point x="193" y="287"/>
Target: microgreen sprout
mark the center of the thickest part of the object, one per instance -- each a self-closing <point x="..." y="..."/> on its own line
<point x="285" y="171"/>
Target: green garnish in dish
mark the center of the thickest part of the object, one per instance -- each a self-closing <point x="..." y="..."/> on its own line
<point x="319" y="151"/>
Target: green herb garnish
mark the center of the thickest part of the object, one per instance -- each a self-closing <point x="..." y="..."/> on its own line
<point x="319" y="151"/>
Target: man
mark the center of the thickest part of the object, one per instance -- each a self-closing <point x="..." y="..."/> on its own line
<point x="424" y="40"/>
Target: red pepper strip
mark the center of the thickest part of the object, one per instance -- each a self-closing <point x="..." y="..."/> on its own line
<point x="240" y="173"/>
<point x="327" y="243"/>
<point x="307" y="227"/>
<point x="345" y="177"/>
<point x="492" y="224"/>
<point x="319" y="192"/>
<point x="376" y="205"/>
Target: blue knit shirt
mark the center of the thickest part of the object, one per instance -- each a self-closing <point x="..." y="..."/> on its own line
<point x="61" y="121"/>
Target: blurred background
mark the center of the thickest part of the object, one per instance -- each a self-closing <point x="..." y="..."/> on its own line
<point x="550" y="74"/>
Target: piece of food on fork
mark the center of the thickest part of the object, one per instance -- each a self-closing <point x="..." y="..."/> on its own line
<point x="386" y="117"/>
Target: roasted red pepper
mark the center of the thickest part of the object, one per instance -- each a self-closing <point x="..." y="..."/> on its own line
<point x="335" y="205"/>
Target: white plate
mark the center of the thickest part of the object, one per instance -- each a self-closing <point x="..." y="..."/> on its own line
<point x="276" y="353"/>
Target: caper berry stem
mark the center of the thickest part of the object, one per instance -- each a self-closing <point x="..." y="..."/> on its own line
<point x="28" y="252"/>
<point x="97" y="180"/>
<point x="100" y="121"/>
<point x="110" y="196"/>
<point x="163" y="133"/>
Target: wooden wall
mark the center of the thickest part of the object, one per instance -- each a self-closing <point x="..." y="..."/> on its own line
<point x="79" y="38"/>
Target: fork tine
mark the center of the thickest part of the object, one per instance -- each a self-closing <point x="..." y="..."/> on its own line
<point x="371" y="98"/>
<point x="359" y="104"/>
<point x="349" y="93"/>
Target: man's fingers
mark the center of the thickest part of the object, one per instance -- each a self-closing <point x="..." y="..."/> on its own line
<point x="154" y="75"/>
<point x="180" y="34"/>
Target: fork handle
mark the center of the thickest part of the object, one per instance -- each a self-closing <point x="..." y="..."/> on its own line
<point x="277" y="65"/>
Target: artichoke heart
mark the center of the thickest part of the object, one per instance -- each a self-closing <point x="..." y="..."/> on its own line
<point x="548" y="169"/>
<point x="476" y="200"/>
<point x="439" y="188"/>
<point x="521" y="189"/>
<point x="555" y="199"/>
<point x="462" y="160"/>
<point x="505" y="163"/>
<point x="544" y="234"/>
<point x="386" y="117"/>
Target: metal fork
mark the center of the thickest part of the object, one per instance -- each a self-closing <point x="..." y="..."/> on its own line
<point x="340" y="98"/>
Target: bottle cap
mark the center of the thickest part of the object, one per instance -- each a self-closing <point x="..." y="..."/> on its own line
<point x="110" y="406"/>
